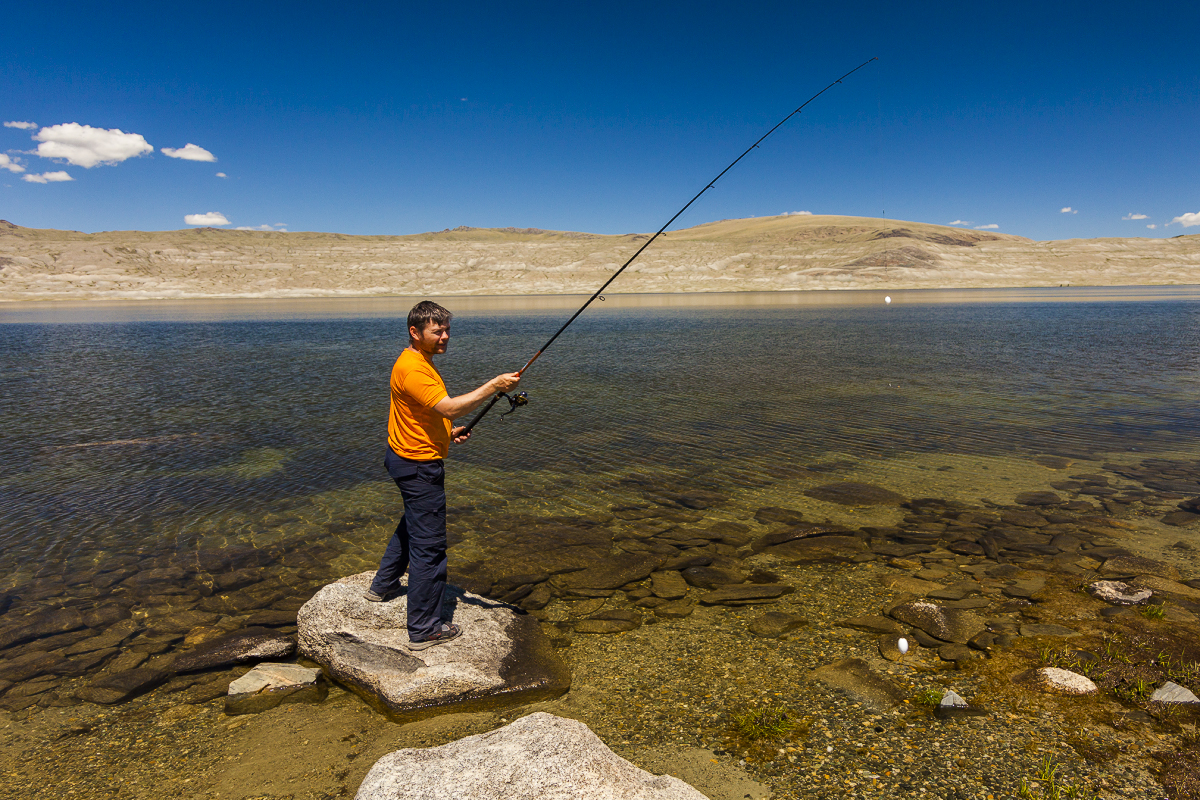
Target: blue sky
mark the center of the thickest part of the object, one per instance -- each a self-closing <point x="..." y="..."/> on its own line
<point x="397" y="118"/>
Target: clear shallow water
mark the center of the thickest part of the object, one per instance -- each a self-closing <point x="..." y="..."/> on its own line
<point x="160" y="440"/>
<point x="217" y="425"/>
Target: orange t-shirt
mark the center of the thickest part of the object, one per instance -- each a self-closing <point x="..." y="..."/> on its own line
<point x="415" y="430"/>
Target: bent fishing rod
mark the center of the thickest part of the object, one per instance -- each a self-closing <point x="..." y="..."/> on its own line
<point x="520" y="399"/>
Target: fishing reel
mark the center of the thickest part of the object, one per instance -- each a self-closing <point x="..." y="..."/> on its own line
<point x="514" y="402"/>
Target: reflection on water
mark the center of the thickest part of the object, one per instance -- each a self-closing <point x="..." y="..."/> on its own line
<point x="201" y="448"/>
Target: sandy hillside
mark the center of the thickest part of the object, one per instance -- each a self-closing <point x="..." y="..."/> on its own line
<point x="758" y="254"/>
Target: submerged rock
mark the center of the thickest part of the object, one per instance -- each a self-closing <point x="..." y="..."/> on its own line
<point x="745" y="593"/>
<point x="248" y="644"/>
<point x="1053" y="680"/>
<point x="120" y="686"/>
<point x="774" y="624"/>
<point x="855" y="677"/>
<point x="948" y="624"/>
<point x="668" y="585"/>
<point x="1129" y="566"/>
<point x="612" y="573"/>
<point x="538" y="756"/>
<point x="855" y="494"/>
<point x="501" y="658"/>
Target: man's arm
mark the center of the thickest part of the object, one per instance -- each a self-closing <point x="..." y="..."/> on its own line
<point x="454" y="407"/>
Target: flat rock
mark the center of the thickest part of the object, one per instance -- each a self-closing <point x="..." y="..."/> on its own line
<point x="774" y="624"/>
<point x="539" y="756"/>
<point x="1047" y="629"/>
<point x="1137" y="565"/>
<point x="872" y="623"/>
<point x="1023" y="519"/>
<point x="248" y="644"/>
<point x="612" y="573"/>
<point x="955" y="591"/>
<point x="907" y="584"/>
<point x="947" y="624"/>
<point x="771" y="515"/>
<point x="269" y="685"/>
<point x="501" y="658"/>
<point x="855" y="494"/>
<point x="1053" y="680"/>
<point x="675" y="609"/>
<point x="890" y="646"/>
<point x="1181" y="519"/>
<point x="1168" y="586"/>
<point x="855" y="677"/>
<point x="668" y="585"/>
<point x="39" y="624"/>
<point x="712" y="577"/>
<point x="1173" y="693"/>
<point x="1118" y="593"/>
<point x="121" y="686"/>
<point x="957" y="653"/>
<point x="1039" y="499"/>
<point x="745" y="593"/>
<point x="616" y="620"/>
<point x="818" y="549"/>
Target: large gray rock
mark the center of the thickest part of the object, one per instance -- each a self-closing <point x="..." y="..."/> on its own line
<point x="948" y="624"/>
<point x="502" y="658"/>
<point x="539" y="756"/>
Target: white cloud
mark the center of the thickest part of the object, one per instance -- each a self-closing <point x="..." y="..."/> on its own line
<point x="991" y="227"/>
<point x="25" y="126"/>
<point x="48" y="177"/>
<point x="960" y="222"/>
<point x="222" y="175"/>
<point x="211" y="218"/>
<point x="1187" y="220"/>
<point x="85" y="146"/>
<point x="1152" y="226"/>
<point x="189" y="152"/>
<point x="1069" y="210"/>
<point x="10" y="165"/>
<point x="280" y="227"/>
<point x="1134" y="216"/>
<point x="797" y="213"/>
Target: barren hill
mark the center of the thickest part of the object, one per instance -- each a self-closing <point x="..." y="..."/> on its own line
<point x="757" y="254"/>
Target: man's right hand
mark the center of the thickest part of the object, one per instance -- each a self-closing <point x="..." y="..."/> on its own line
<point x="502" y="383"/>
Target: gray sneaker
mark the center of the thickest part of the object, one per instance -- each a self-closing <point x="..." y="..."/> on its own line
<point x="374" y="597"/>
<point x="447" y="632"/>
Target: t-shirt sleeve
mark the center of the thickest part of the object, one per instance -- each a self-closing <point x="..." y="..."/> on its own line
<point x="424" y="386"/>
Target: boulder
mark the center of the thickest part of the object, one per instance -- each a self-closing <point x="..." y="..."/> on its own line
<point x="502" y="657"/>
<point x="947" y="624"/>
<point x="248" y="644"/>
<point x="540" y="756"/>
<point x="855" y="494"/>
<point x="1118" y="594"/>
<point x="268" y="685"/>
<point x="1053" y="680"/>
<point x="774" y="624"/>
<point x="854" y="676"/>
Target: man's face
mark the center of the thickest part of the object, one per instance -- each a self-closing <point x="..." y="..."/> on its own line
<point x="432" y="340"/>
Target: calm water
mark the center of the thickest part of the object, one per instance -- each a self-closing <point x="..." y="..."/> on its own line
<point x="161" y="439"/>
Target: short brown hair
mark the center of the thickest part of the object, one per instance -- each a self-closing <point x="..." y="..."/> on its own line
<point x="426" y="312"/>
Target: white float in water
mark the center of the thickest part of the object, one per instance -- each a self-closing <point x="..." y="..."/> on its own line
<point x="887" y="299"/>
<point x="902" y="646"/>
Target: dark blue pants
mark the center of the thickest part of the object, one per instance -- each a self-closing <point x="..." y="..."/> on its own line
<point x="419" y="543"/>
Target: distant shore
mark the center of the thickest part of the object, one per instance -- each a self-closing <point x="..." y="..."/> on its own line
<point x="762" y="254"/>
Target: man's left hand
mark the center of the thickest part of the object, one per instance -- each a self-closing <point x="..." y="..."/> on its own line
<point x="459" y="434"/>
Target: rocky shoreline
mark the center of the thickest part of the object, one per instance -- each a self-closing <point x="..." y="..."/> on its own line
<point x="686" y="628"/>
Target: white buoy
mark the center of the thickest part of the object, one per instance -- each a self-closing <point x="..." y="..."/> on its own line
<point x="902" y="646"/>
<point x="887" y="299"/>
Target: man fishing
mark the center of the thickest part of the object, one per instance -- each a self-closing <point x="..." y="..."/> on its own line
<point x="419" y="434"/>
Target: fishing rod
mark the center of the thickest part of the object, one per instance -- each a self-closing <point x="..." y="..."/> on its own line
<point x="520" y="399"/>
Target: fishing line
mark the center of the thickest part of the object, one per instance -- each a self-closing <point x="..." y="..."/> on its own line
<point x="522" y="398"/>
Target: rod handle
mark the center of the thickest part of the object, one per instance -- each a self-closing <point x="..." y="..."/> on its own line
<point x="483" y="412"/>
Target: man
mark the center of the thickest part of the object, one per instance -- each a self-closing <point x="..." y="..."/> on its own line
<point x="419" y="436"/>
